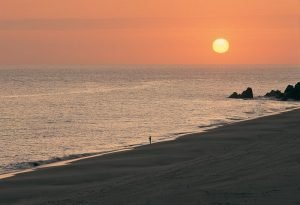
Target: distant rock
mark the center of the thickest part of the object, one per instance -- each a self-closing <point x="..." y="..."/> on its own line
<point x="275" y="94"/>
<point x="247" y="94"/>
<point x="234" y="95"/>
<point x="290" y="93"/>
<point x="297" y="91"/>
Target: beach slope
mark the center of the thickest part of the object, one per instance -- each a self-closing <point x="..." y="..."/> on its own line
<point x="250" y="162"/>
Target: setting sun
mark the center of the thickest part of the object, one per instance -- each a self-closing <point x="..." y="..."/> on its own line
<point x="220" y="45"/>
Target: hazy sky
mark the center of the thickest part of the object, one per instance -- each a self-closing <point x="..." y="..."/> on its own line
<point x="148" y="32"/>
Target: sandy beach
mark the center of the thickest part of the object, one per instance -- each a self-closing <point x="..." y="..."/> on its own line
<point x="250" y="162"/>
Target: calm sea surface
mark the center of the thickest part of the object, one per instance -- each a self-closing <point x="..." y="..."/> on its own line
<point x="49" y="113"/>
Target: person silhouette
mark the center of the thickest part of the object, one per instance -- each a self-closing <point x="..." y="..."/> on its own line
<point x="150" y="140"/>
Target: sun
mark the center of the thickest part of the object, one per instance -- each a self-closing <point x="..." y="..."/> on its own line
<point x="220" y="45"/>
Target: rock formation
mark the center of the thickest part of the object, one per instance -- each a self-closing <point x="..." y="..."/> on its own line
<point x="247" y="94"/>
<point x="291" y="93"/>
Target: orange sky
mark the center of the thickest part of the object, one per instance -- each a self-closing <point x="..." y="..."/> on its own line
<point x="148" y="32"/>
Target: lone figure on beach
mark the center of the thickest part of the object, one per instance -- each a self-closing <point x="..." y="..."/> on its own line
<point x="150" y="140"/>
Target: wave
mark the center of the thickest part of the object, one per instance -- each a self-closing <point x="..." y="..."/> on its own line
<point x="34" y="164"/>
<point x="213" y="125"/>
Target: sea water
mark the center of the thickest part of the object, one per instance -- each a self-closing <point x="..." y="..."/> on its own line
<point x="50" y="113"/>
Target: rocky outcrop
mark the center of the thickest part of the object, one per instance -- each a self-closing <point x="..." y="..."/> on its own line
<point x="291" y="93"/>
<point x="247" y="94"/>
<point x="275" y="94"/>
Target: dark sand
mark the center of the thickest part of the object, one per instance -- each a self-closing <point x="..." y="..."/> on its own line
<point x="251" y="162"/>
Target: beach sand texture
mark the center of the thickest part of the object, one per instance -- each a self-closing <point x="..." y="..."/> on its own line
<point x="250" y="162"/>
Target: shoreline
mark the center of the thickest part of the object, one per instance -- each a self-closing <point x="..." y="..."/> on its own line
<point x="250" y="162"/>
<point x="66" y="161"/>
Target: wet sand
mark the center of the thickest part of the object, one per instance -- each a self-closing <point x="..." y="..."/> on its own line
<point x="250" y="162"/>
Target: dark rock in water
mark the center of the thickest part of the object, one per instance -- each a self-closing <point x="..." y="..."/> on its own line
<point x="289" y="89"/>
<point x="234" y="95"/>
<point x="275" y="94"/>
<point x="290" y="93"/>
<point x="297" y="91"/>
<point x="247" y="94"/>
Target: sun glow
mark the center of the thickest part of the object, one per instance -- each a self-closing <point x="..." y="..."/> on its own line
<point x="220" y="45"/>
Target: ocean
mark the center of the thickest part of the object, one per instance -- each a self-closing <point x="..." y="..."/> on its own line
<point x="52" y="113"/>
